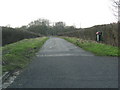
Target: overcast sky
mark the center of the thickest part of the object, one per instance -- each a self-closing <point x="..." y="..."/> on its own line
<point x="84" y="13"/>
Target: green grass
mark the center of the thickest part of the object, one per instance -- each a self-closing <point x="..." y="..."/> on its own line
<point x="98" y="49"/>
<point x="19" y="54"/>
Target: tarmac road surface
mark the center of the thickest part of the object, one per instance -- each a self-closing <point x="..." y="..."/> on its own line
<point x="60" y="64"/>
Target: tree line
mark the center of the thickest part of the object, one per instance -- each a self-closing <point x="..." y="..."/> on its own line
<point x="43" y="27"/>
<point x="37" y="28"/>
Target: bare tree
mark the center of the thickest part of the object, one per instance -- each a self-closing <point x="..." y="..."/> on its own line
<point x="116" y="8"/>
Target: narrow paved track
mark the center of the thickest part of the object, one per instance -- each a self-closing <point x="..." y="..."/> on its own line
<point x="60" y="64"/>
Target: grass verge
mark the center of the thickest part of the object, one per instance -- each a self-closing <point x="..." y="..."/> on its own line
<point x="18" y="55"/>
<point x="98" y="49"/>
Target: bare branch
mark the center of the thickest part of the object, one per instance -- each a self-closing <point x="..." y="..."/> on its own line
<point x="116" y="8"/>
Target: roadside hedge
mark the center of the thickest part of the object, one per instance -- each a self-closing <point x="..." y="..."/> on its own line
<point x="10" y="35"/>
